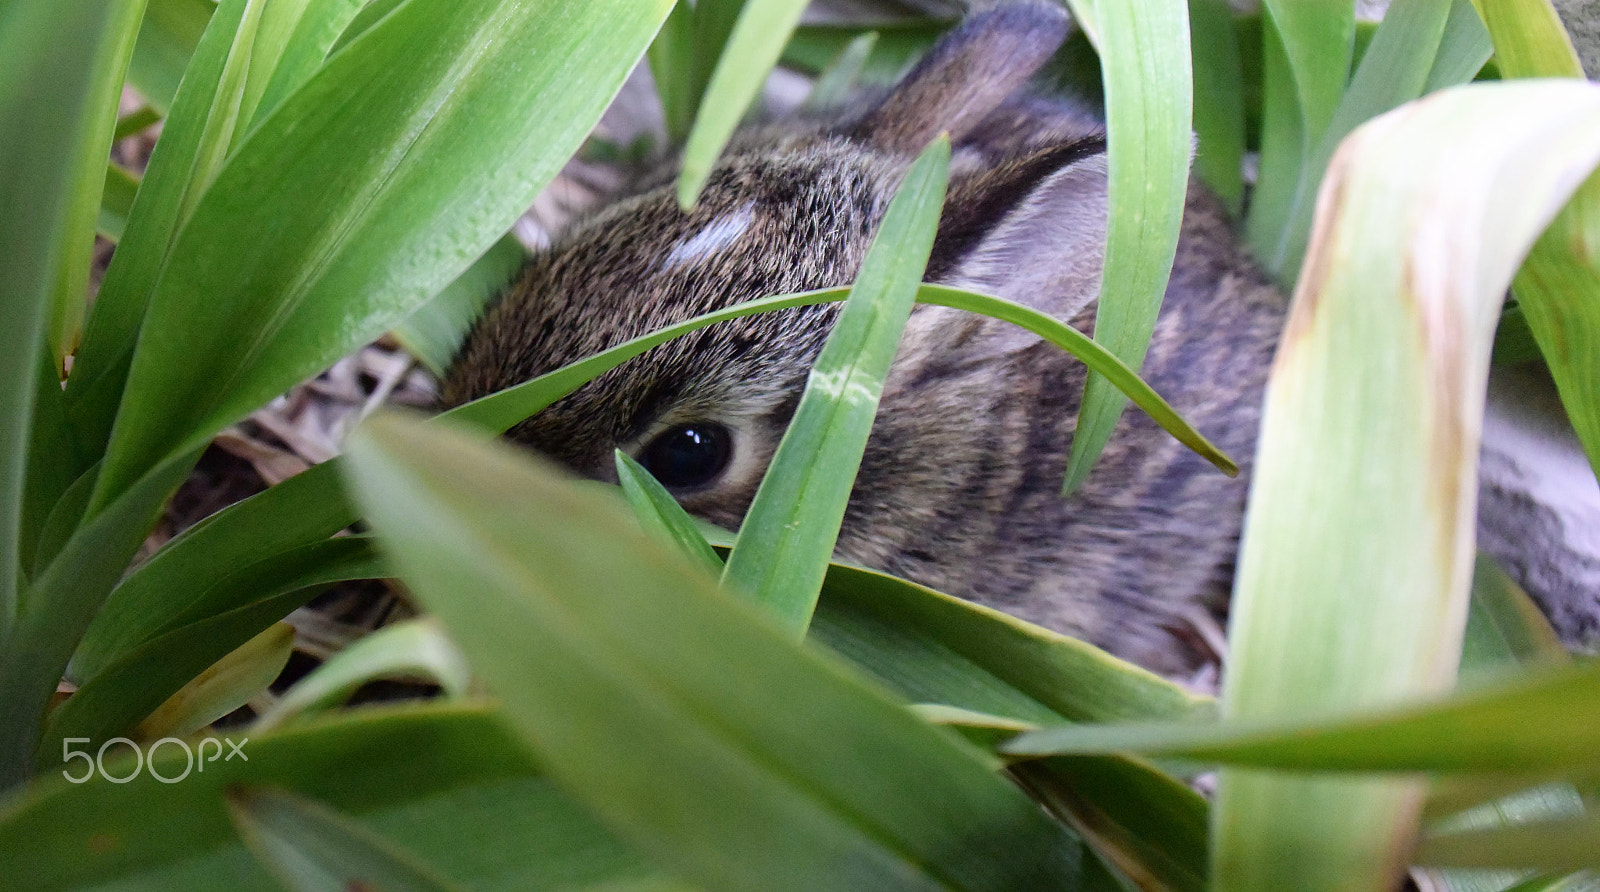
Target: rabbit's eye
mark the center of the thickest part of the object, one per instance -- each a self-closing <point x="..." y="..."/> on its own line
<point x="688" y="455"/>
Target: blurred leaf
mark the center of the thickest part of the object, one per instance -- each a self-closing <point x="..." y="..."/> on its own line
<point x="326" y="228"/>
<point x="791" y="525"/>
<point x="1505" y="628"/>
<point x="834" y="85"/>
<point x="447" y="782"/>
<point x="1542" y="722"/>
<point x="168" y="38"/>
<point x="1150" y="827"/>
<point x="417" y="648"/>
<point x="246" y="671"/>
<point x="1218" y="101"/>
<point x="612" y="653"/>
<point x="744" y="55"/>
<point x="312" y="848"/>
<point x="1463" y="50"/>
<point x="115" y="202"/>
<point x="1144" y="58"/>
<point x="1571" y="844"/>
<point x="434" y="332"/>
<point x="663" y="517"/>
<point x="1373" y="415"/>
<point x="1529" y="40"/>
<point x="813" y="47"/>
<point x="60" y="65"/>
<point x="672" y="67"/>
<point x="134" y="122"/>
<point x="63" y="599"/>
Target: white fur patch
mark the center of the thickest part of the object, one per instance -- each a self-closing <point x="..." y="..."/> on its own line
<point x="718" y="235"/>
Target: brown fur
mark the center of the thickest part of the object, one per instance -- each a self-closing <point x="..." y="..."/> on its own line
<point x="959" y="487"/>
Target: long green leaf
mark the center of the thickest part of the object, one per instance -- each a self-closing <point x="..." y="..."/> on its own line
<point x="412" y="649"/>
<point x="673" y="67"/>
<point x="1373" y="417"/>
<point x="312" y="848"/>
<point x="752" y="48"/>
<point x="64" y="598"/>
<point x="1218" y="100"/>
<point x="612" y="656"/>
<point x="168" y="38"/>
<point x="1558" y="288"/>
<point x="178" y="168"/>
<point x="326" y="228"/>
<point x="789" y="531"/>
<point x="1543" y="722"/>
<point x="1572" y="844"/>
<point x="60" y="69"/>
<point x="448" y="782"/>
<point x="1144" y="58"/>
<point x="315" y="29"/>
<point x="662" y="517"/>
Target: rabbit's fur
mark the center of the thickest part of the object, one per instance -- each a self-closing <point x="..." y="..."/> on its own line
<point x="960" y="485"/>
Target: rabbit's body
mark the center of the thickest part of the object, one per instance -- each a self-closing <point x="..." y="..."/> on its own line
<point x="960" y="485"/>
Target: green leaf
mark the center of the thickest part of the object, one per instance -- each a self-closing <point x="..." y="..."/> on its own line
<point x="663" y="517"/>
<point x="138" y="678"/>
<point x="933" y="648"/>
<point x="612" y="656"/>
<point x="223" y="687"/>
<point x="672" y="67"/>
<point x="834" y="84"/>
<point x="1505" y="628"/>
<point x="317" y="25"/>
<point x="752" y="47"/>
<point x="447" y="782"/>
<point x="1546" y="721"/>
<point x="435" y="331"/>
<point x="1218" y="101"/>
<point x="1529" y="40"/>
<point x="789" y="531"/>
<point x="115" y="202"/>
<point x="182" y="161"/>
<point x="63" y="599"/>
<point x="168" y="38"/>
<point x="60" y="68"/>
<point x="415" y="648"/>
<point x="1373" y="415"/>
<point x="326" y="228"/>
<point x="1571" y="844"/>
<point x="312" y="848"/>
<point x="814" y="47"/>
<point x="1150" y="827"/>
<point x="1144" y="58"/>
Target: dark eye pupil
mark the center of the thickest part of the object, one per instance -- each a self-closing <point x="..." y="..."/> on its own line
<point x="688" y="455"/>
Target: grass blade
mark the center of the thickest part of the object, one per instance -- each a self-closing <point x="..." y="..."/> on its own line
<point x="61" y="64"/>
<point x="415" y="648"/>
<point x="834" y="84"/>
<point x="386" y="206"/>
<point x="168" y="36"/>
<point x="789" y="531"/>
<point x="434" y="332"/>
<point x="1558" y="288"/>
<point x="1218" y="101"/>
<point x="663" y="517"/>
<point x="643" y="726"/>
<point x="1547" y="721"/>
<point x="752" y="48"/>
<point x="1572" y="844"/>
<point x="318" y="24"/>
<point x="1373" y="415"/>
<point x="224" y="686"/>
<point x="312" y="848"/>
<point x="1144" y="57"/>
<point x="672" y="67"/>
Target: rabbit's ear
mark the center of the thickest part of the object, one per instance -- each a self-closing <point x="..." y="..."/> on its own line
<point x="966" y="76"/>
<point x="1032" y="229"/>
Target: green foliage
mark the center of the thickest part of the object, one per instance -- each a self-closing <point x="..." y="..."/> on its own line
<point x="329" y="170"/>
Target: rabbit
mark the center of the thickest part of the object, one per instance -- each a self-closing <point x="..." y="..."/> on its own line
<point x="959" y="488"/>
